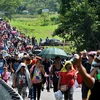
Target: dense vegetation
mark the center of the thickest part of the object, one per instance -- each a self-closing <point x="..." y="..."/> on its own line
<point x="35" y="27"/>
<point x="36" y="6"/>
<point x="33" y="7"/>
<point x="8" y="7"/>
<point x="81" y="20"/>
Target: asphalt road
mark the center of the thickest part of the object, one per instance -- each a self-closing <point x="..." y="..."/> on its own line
<point x="50" y="95"/>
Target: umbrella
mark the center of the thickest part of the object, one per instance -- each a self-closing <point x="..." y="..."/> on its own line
<point x="19" y="38"/>
<point x="37" y="51"/>
<point x="92" y="52"/>
<point x="13" y="32"/>
<point x="52" y="53"/>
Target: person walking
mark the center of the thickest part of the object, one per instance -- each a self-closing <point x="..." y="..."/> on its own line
<point x="15" y="61"/>
<point x="3" y="63"/>
<point x="37" y="73"/>
<point x="54" y="74"/>
<point x="22" y="80"/>
<point x="47" y="65"/>
<point x="84" y="57"/>
<point x="5" y="74"/>
<point x="66" y="81"/>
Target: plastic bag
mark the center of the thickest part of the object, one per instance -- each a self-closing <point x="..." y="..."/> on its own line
<point x="58" y="95"/>
<point x="76" y="85"/>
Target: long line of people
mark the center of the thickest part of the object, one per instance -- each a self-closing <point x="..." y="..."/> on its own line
<point x="32" y="72"/>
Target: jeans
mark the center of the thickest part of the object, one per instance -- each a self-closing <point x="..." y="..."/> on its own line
<point x="55" y="85"/>
<point x="22" y="92"/>
<point x="47" y="79"/>
<point x="68" y="95"/>
<point x="37" y="90"/>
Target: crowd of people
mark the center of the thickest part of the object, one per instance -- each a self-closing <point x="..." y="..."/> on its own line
<point x="32" y="72"/>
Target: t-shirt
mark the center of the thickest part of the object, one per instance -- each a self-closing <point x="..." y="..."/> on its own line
<point x="6" y="76"/>
<point x="37" y="75"/>
<point x="84" y="60"/>
<point x="67" y="78"/>
<point x="33" y="61"/>
<point x="56" y="73"/>
<point x="46" y="66"/>
<point x="2" y="62"/>
<point x="87" y="66"/>
<point x="15" y="64"/>
<point x="21" y="80"/>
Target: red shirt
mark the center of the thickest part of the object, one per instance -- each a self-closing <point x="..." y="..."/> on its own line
<point x="34" y="61"/>
<point x="68" y="78"/>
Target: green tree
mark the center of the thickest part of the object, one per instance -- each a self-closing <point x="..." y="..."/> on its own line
<point x="9" y="6"/>
<point x="81" y="20"/>
<point x="38" y="5"/>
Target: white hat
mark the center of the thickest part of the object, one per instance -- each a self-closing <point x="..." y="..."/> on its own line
<point x="84" y="51"/>
<point x="5" y="67"/>
<point x="76" y="56"/>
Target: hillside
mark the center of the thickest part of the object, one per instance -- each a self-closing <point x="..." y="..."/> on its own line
<point x="35" y="27"/>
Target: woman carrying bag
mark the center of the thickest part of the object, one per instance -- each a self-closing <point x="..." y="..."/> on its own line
<point x="67" y="80"/>
<point x="37" y="74"/>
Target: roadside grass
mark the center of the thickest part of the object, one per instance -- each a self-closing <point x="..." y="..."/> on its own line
<point x="33" y="26"/>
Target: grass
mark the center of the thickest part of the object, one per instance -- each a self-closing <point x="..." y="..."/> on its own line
<point x="33" y="26"/>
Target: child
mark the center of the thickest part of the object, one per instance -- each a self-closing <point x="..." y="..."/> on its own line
<point x="5" y="75"/>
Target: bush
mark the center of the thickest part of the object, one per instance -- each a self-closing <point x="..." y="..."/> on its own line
<point x="23" y="16"/>
<point x="55" y="20"/>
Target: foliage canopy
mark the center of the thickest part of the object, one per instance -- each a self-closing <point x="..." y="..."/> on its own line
<point x="9" y="6"/>
<point x="36" y="6"/>
<point x="80" y="19"/>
